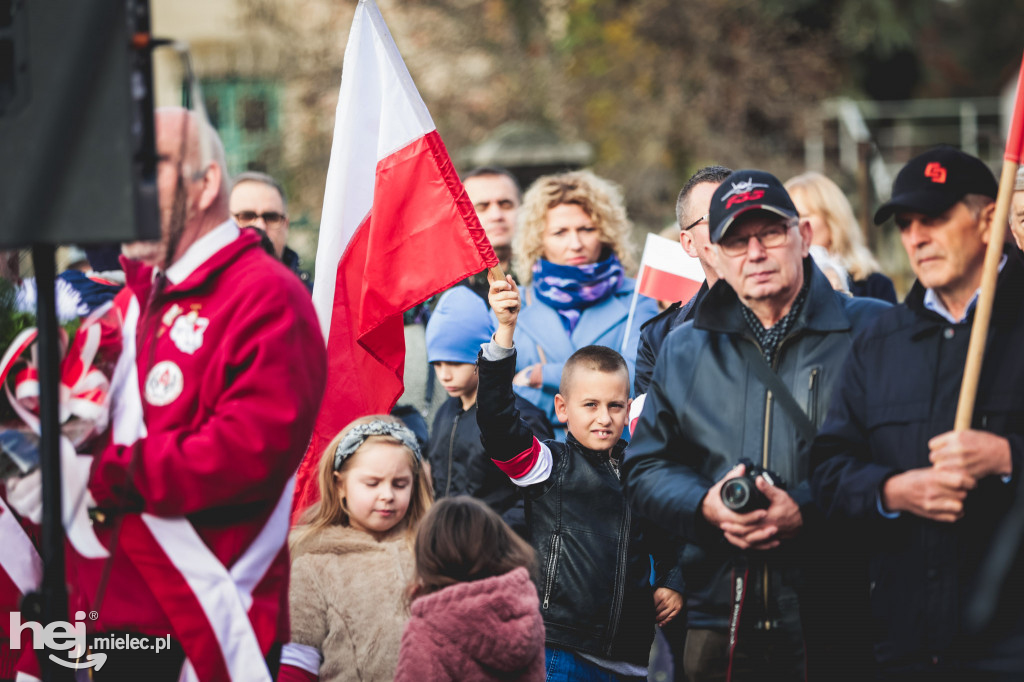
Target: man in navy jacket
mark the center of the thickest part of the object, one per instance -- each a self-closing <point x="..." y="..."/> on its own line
<point x="928" y="499"/>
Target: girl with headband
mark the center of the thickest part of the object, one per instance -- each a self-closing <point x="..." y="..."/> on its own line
<point x="352" y="555"/>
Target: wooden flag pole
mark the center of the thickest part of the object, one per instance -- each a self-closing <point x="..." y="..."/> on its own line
<point x="495" y="274"/>
<point x="990" y="272"/>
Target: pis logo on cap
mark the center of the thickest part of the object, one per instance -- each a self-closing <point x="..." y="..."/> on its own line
<point x="936" y="172"/>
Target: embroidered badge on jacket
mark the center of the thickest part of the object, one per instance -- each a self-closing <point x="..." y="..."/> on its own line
<point x="164" y="383"/>
<point x="187" y="332"/>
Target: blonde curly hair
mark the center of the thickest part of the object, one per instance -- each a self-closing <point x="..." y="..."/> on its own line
<point x="599" y="198"/>
<point x="824" y="197"/>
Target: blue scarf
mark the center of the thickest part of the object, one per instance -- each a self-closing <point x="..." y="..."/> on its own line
<point x="571" y="289"/>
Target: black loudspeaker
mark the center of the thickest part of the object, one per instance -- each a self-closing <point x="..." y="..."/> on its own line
<point x="76" y="123"/>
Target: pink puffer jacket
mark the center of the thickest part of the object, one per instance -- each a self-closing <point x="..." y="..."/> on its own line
<point x="479" y="631"/>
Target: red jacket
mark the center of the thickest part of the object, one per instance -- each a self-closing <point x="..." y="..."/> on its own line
<point x="479" y="631"/>
<point x="231" y="369"/>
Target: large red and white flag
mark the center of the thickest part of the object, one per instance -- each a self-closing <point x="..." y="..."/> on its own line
<point x="397" y="228"/>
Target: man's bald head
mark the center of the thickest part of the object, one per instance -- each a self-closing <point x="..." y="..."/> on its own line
<point x="191" y="179"/>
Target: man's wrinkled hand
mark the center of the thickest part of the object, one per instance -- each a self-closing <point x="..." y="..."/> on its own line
<point x="735" y="526"/>
<point x="930" y="492"/>
<point x="978" y="453"/>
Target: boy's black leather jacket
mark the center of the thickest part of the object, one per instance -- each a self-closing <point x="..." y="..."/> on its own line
<point x="592" y="558"/>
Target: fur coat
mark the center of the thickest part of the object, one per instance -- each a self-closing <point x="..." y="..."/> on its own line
<point x="347" y="601"/>
<point x="478" y="631"/>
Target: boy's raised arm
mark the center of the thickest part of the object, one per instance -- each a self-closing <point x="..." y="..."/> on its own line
<point x="508" y="440"/>
<point x="504" y="299"/>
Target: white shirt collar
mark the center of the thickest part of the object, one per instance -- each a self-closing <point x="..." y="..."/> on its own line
<point x="201" y="250"/>
<point x="934" y="303"/>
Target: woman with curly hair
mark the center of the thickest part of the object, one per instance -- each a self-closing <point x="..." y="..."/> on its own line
<point x="833" y="226"/>
<point x="572" y="252"/>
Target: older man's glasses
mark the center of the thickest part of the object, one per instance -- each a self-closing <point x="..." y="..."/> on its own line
<point x="250" y="217"/>
<point x="770" y="238"/>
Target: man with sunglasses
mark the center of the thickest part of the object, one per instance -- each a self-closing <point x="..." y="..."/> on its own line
<point x="750" y="379"/>
<point x="257" y="200"/>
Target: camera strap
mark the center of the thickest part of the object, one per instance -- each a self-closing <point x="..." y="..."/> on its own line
<point x="740" y="576"/>
<point x="782" y="394"/>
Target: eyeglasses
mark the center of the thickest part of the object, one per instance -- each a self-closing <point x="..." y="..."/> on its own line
<point x="249" y="217"/>
<point x="696" y="222"/>
<point x="770" y="237"/>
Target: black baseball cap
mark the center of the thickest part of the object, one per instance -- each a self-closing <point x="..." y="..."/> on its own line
<point x="743" y="191"/>
<point x="932" y="182"/>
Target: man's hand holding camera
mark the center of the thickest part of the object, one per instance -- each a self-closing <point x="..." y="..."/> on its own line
<point x="759" y="529"/>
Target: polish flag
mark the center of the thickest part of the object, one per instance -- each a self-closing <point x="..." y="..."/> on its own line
<point x="397" y="228"/>
<point x="667" y="273"/>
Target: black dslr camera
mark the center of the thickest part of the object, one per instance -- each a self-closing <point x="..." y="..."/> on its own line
<point x="740" y="493"/>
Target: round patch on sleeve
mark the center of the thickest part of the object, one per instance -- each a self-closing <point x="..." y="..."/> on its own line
<point x="164" y="383"/>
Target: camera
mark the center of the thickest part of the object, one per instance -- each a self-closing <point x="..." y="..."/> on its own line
<point x="740" y="493"/>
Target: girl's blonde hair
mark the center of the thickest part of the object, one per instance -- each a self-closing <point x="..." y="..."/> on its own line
<point x="822" y="196"/>
<point x="330" y="509"/>
<point x="600" y="199"/>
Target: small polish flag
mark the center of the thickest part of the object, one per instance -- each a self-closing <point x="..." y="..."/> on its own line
<point x="667" y="273"/>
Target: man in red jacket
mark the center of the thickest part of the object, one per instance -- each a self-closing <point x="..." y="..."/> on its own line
<point x="213" y="402"/>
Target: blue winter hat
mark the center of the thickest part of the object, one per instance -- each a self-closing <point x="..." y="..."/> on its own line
<point x="459" y="324"/>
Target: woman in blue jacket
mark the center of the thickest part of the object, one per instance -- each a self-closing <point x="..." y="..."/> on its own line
<point x="572" y="251"/>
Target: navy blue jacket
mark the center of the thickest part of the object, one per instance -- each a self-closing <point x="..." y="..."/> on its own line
<point x="653" y="333"/>
<point x="875" y="285"/>
<point x="899" y="388"/>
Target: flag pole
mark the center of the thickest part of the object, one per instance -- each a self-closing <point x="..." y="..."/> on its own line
<point x="990" y="272"/>
<point x="632" y="309"/>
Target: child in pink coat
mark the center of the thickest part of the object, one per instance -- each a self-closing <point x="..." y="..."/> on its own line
<point x="475" y="611"/>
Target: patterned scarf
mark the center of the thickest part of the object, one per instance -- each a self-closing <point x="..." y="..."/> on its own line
<point x="769" y="339"/>
<point x="571" y="289"/>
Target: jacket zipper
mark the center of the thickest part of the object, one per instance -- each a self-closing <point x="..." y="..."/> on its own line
<point x="812" y="395"/>
<point x="620" y="585"/>
<point x="451" y="454"/>
<point x="549" y="579"/>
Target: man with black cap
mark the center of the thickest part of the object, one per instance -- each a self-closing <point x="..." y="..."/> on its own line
<point x="749" y="379"/>
<point x="931" y="499"/>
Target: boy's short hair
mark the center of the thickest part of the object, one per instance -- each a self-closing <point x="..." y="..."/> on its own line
<point x="595" y="358"/>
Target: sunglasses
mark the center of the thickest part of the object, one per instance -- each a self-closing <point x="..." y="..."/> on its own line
<point x="249" y="217"/>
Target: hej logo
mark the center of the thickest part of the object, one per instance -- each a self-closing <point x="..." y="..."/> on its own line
<point x="59" y="635"/>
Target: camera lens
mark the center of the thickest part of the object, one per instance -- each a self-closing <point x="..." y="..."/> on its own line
<point x="736" y="493"/>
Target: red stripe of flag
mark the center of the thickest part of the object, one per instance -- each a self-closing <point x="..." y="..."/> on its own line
<point x="666" y="286"/>
<point x="1015" y="138"/>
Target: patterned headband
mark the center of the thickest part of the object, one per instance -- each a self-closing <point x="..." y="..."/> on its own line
<point x="358" y="435"/>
